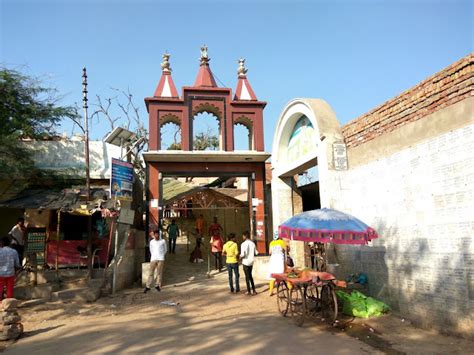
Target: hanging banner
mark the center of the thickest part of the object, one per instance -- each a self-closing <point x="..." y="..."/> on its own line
<point x="121" y="181"/>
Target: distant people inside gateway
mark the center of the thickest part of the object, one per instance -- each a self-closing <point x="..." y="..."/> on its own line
<point x="173" y="234"/>
<point x="215" y="227"/>
<point x="196" y="254"/>
<point x="216" y="248"/>
<point x="201" y="224"/>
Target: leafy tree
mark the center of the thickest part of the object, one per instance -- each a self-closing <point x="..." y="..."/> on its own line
<point x="206" y="140"/>
<point x="27" y="110"/>
<point x="202" y="141"/>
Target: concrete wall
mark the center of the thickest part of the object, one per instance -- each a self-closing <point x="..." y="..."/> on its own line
<point x="420" y="198"/>
<point x="129" y="266"/>
<point x="68" y="156"/>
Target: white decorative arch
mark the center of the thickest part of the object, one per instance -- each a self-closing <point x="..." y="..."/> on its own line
<point x="327" y="131"/>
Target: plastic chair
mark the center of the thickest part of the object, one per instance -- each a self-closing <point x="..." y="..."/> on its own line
<point x="83" y="258"/>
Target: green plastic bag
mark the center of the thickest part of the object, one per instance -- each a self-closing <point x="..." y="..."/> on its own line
<point x="376" y="308"/>
<point x="359" y="305"/>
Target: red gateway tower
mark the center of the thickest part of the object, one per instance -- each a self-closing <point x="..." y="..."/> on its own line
<point x="205" y="96"/>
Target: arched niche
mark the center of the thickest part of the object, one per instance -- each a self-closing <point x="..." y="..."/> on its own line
<point x="243" y="132"/>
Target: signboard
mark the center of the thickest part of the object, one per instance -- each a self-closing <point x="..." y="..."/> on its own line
<point x="121" y="182"/>
<point x="302" y="140"/>
<point x="126" y="216"/>
<point x="340" y="156"/>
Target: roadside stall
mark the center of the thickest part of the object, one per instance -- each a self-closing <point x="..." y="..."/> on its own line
<point x="308" y="293"/>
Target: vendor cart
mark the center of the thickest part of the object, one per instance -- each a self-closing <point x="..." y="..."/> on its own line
<point x="307" y="294"/>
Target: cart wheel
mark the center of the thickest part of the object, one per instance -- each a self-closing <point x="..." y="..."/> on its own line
<point x="282" y="298"/>
<point x="329" y="304"/>
<point x="297" y="305"/>
<point x="312" y="298"/>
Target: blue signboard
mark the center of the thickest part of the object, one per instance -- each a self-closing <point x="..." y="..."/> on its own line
<point x="121" y="182"/>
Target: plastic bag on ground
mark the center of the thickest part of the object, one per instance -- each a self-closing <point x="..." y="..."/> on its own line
<point x="359" y="305"/>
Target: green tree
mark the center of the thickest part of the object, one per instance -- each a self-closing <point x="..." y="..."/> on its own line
<point x="202" y="141"/>
<point x="27" y="110"/>
<point x="206" y="141"/>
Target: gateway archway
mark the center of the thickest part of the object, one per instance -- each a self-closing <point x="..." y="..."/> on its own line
<point x="205" y="96"/>
<point x="302" y="160"/>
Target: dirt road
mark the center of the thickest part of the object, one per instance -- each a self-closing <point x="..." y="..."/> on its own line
<point x="207" y="320"/>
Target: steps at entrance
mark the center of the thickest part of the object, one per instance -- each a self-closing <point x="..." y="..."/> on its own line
<point x="33" y="292"/>
<point x="82" y="294"/>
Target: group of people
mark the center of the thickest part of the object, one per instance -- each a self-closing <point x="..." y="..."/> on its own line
<point x="234" y="255"/>
<point x="246" y="254"/>
<point x="11" y="256"/>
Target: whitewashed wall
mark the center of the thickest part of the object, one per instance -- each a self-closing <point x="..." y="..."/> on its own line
<point x="68" y="156"/>
<point x="421" y="201"/>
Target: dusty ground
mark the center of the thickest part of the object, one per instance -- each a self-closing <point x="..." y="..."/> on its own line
<point x="208" y="319"/>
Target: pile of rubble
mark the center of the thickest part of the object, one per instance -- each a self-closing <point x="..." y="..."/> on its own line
<point x="11" y="320"/>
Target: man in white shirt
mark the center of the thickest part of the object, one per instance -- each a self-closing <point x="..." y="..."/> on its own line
<point x="247" y="255"/>
<point x="158" y="251"/>
<point x="18" y="234"/>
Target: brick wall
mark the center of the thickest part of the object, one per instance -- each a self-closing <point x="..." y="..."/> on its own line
<point x="451" y="85"/>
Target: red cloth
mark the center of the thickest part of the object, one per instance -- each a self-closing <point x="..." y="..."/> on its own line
<point x="68" y="253"/>
<point x="9" y="282"/>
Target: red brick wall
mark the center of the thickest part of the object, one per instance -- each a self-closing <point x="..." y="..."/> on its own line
<point x="442" y="89"/>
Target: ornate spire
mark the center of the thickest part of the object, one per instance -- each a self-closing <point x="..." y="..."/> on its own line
<point x="204" y="57"/>
<point x="166" y="87"/>
<point x="165" y="64"/>
<point x="244" y="91"/>
<point x="205" y="77"/>
<point x="241" y="70"/>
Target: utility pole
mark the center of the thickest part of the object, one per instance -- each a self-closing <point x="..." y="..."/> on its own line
<point x="86" y="131"/>
<point x="88" y="180"/>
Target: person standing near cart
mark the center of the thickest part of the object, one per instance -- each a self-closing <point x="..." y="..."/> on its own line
<point x="277" y="250"/>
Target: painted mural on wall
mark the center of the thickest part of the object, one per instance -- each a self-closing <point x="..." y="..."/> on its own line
<point x="302" y="139"/>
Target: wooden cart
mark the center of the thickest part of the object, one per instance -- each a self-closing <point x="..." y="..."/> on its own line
<point x="306" y="295"/>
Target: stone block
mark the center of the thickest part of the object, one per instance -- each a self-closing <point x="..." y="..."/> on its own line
<point x="11" y="319"/>
<point x="9" y="313"/>
<point x="32" y="292"/>
<point x="12" y="331"/>
<point x="10" y="304"/>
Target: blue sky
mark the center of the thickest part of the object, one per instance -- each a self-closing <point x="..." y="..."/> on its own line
<point x="353" y="54"/>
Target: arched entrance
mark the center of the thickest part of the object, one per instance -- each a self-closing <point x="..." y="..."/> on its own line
<point x="302" y="160"/>
<point x="205" y="96"/>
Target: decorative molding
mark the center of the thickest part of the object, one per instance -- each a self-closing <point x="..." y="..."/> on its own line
<point x="209" y="108"/>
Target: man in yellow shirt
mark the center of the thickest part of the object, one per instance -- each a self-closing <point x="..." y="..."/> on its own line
<point x="231" y="251"/>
